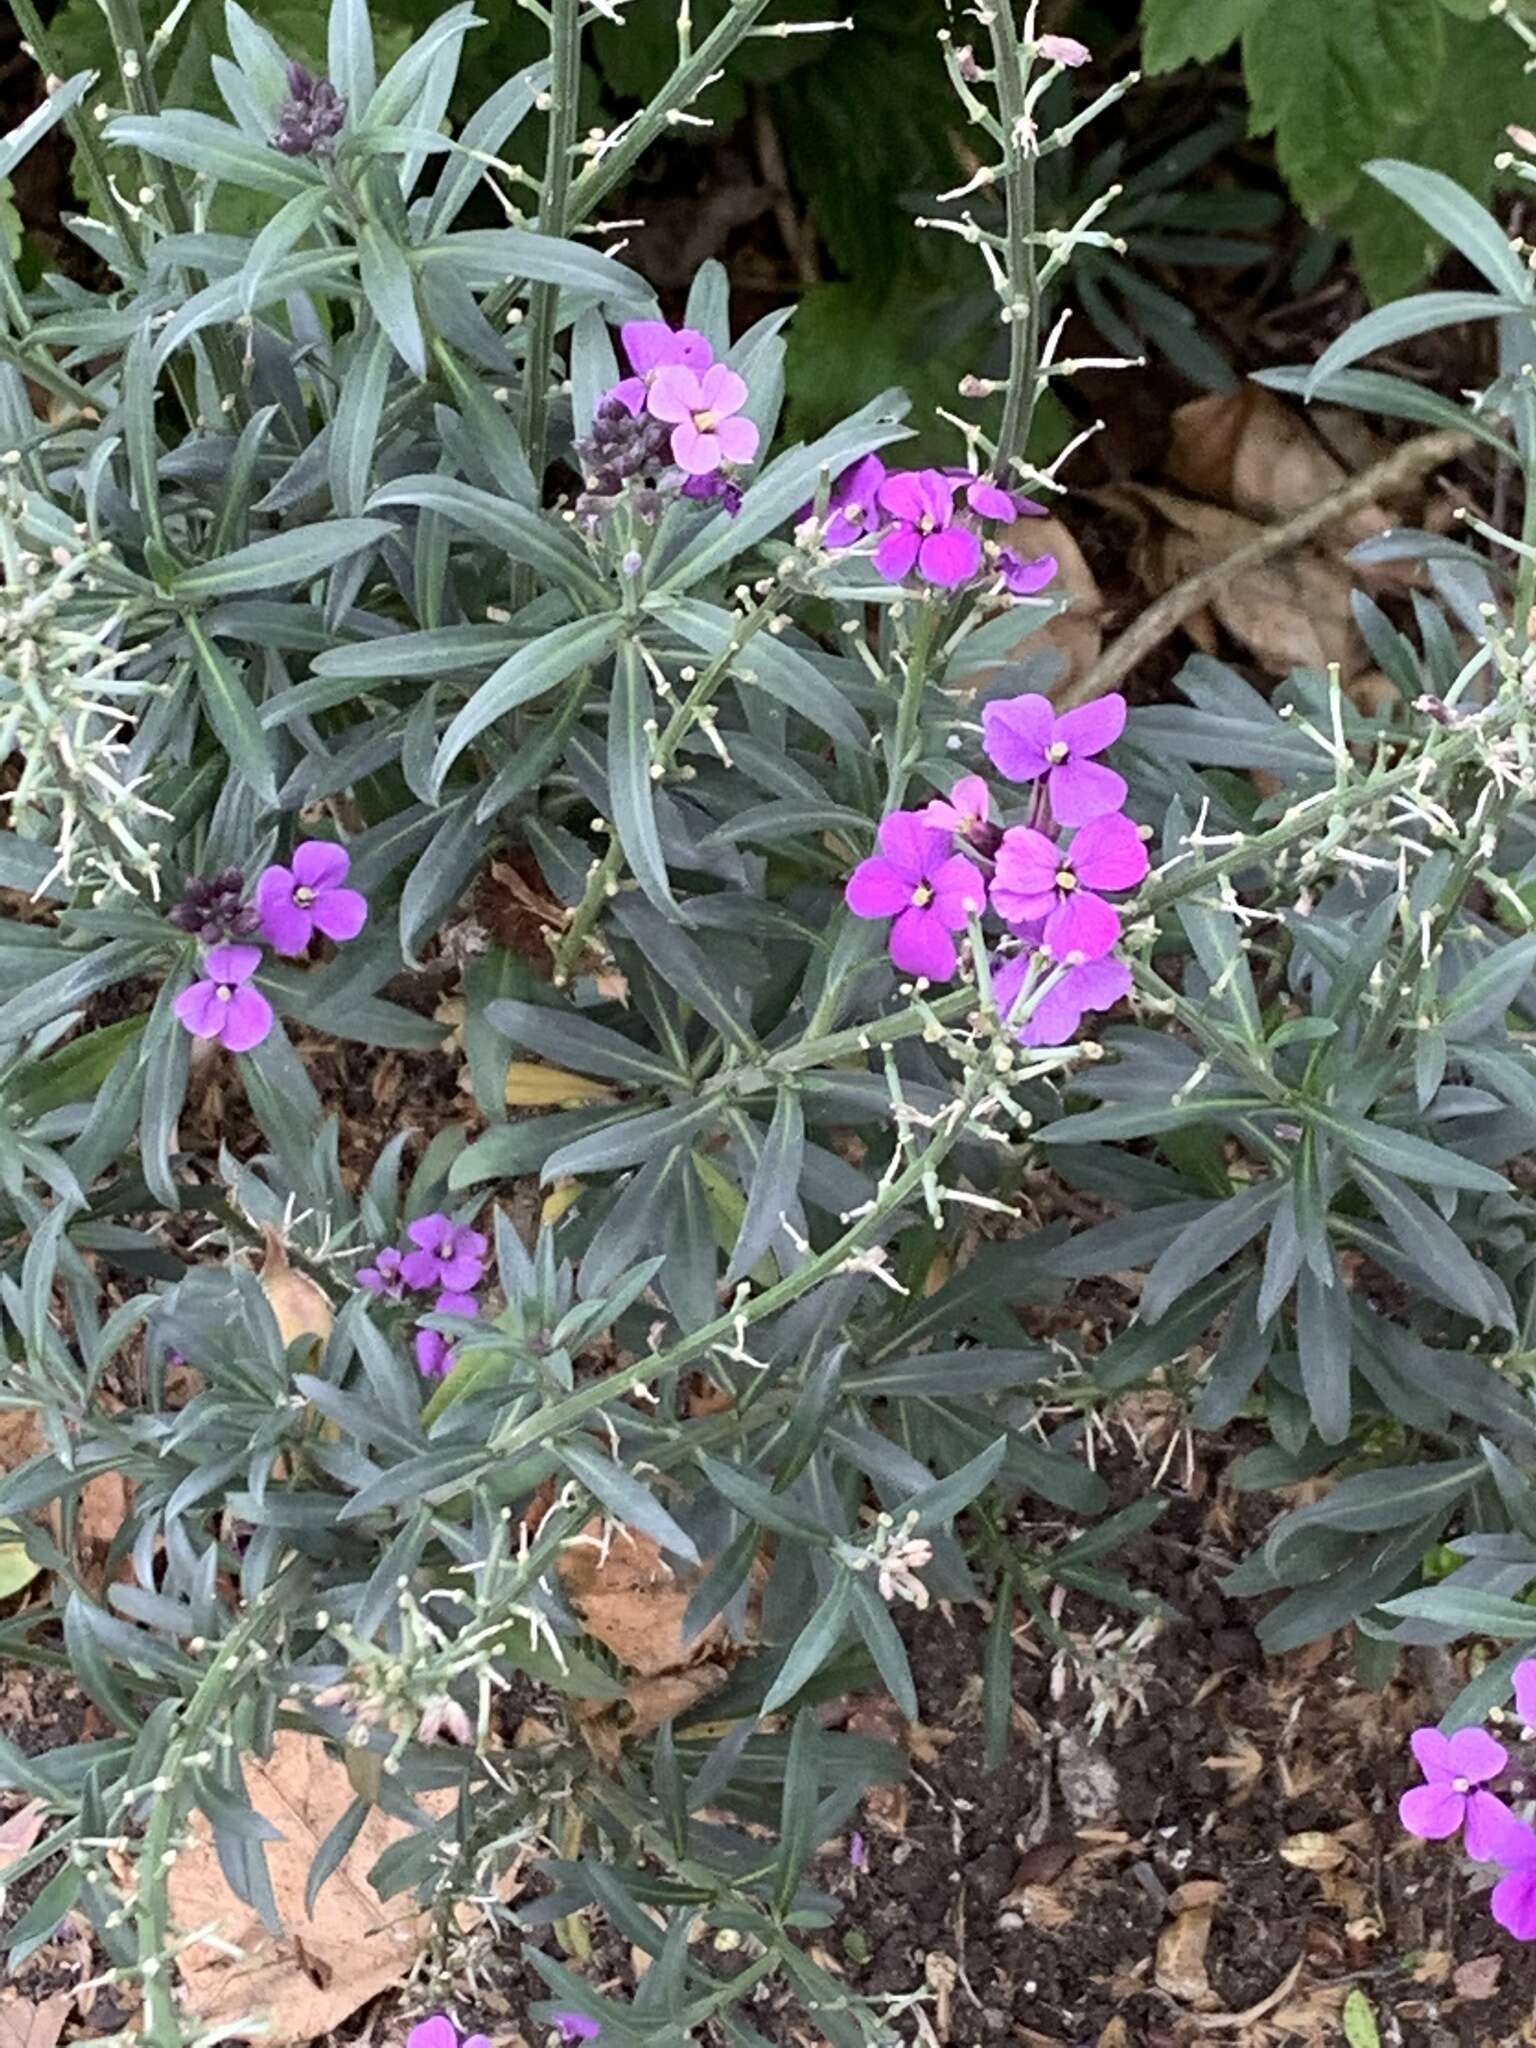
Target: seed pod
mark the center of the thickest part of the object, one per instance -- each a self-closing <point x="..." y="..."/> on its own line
<point x="300" y="1306"/>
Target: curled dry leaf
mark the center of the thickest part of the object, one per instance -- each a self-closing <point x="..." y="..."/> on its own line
<point x="25" y="2025"/>
<point x="1180" y="1967"/>
<point x="1313" y="1850"/>
<point x="300" y="1305"/>
<point x="1479" y="1978"/>
<point x="325" y="1966"/>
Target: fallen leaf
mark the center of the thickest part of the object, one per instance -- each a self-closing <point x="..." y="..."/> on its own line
<point x="633" y="1601"/>
<point x="300" y="1305"/>
<point x="17" y="1569"/>
<point x="1200" y="1891"/>
<point x="1249" y="450"/>
<point x="1180" y="1967"/>
<point x="325" y="1966"/>
<point x="21" y="1437"/>
<point x="1434" y="1966"/>
<point x="19" y="1830"/>
<point x="532" y="1085"/>
<point x="1115" y="2035"/>
<point x="1313" y="1850"/>
<point x="1243" y="1766"/>
<point x="24" y="2025"/>
<point x="1479" y="1978"/>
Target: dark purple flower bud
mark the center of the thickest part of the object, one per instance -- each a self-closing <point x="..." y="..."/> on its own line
<point x="311" y="117"/>
<point x="211" y="908"/>
<point x="715" y="489"/>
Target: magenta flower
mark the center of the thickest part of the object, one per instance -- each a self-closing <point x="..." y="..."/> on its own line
<point x="1025" y="739"/>
<point x="434" y="1354"/>
<point x="853" y="509"/>
<point x="576" y="2026"/>
<point x="447" y="1254"/>
<point x="1454" y="1768"/>
<point x="987" y="499"/>
<point x="716" y="489"/>
<point x="452" y="1303"/>
<point x="1026" y="575"/>
<point x="1036" y="878"/>
<point x="1525" y="1691"/>
<point x="652" y="345"/>
<point x="223" y="1005"/>
<point x="922" y="504"/>
<point x="296" y="902"/>
<point x="440" y="2032"/>
<point x="384" y="1277"/>
<point x="918" y="879"/>
<point x="1056" y="1017"/>
<point x="963" y="811"/>
<point x="1513" y="1900"/>
<point x="703" y="413"/>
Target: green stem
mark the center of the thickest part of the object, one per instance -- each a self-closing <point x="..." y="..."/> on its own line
<point x="906" y="744"/>
<point x="1023" y="309"/>
<point x="554" y="219"/>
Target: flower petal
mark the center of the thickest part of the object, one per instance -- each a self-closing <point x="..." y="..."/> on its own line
<point x="232" y="963"/>
<point x="1027" y="576"/>
<point x="451" y="1304"/>
<point x="630" y="393"/>
<point x="648" y="344"/>
<point x="1015" y="733"/>
<point x="1489" y="1822"/>
<point x="1108" y="853"/>
<point x="950" y="558"/>
<point x="989" y="500"/>
<point x="1084" y="924"/>
<point x="320" y="863"/>
<point x="1513" y="1904"/>
<point x="738" y="438"/>
<point x="674" y="394"/>
<point x="247" y="1019"/>
<point x="432" y="1357"/>
<point x="876" y="890"/>
<point x="902" y="494"/>
<point x="937" y="492"/>
<point x="1473" y="1754"/>
<point x="200" y="1009"/>
<point x="920" y="944"/>
<point x="911" y="845"/>
<point x="431" y="1231"/>
<point x="1093" y="727"/>
<point x="1083" y="790"/>
<point x="439" y="2031"/>
<point x="284" y="923"/>
<point x="1432" y="1812"/>
<point x="1053" y="1017"/>
<point x="1525" y="1691"/>
<point x="341" y="913"/>
<point x="958" y="889"/>
<point x="1432" y="1754"/>
<point x="896" y="553"/>
<point x="693" y="349"/>
<point x="698" y="454"/>
<point x="724" y="391"/>
<point x="1028" y="862"/>
<point x="461" y="1272"/>
<point x="420" y="1269"/>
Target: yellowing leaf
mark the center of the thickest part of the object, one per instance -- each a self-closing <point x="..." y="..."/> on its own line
<point x="531" y="1085"/>
<point x="16" y="1568"/>
<point x="562" y="1196"/>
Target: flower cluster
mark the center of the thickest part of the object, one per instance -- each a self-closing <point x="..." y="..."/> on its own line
<point x="440" y="2032"/>
<point x="291" y="904"/>
<point x="311" y="116"/>
<point x="1453" y="1799"/>
<point x="933" y="522"/>
<point x="444" y="1259"/>
<point x="939" y="867"/>
<point x="675" y="423"/>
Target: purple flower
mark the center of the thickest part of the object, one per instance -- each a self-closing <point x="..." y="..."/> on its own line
<point x="1026" y="575"/>
<point x="384" y="1277"/>
<point x="1026" y="740"/>
<point x="1454" y="1767"/>
<point x="922" y="504"/>
<point x="1091" y="985"/>
<point x="297" y="902"/>
<point x="703" y="414"/>
<point x="1513" y="1845"/>
<point x="985" y="498"/>
<point x="1525" y="1691"/>
<point x="447" y="1254"/>
<point x="440" y="2032"/>
<point x="963" y="811"/>
<point x="652" y="345"/>
<point x="223" y="1006"/>
<point x="576" y="2026"/>
<point x="311" y="116"/>
<point x="434" y="1354"/>
<point x="853" y="509"/>
<point x="212" y="908"/>
<point x="452" y="1303"/>
<point x="1036" y="878"/>
<point x="1064" y="50"/>
<point x="715" y="487"/>
<point x="918" y="879"/>
<point x="858" y="1851"/>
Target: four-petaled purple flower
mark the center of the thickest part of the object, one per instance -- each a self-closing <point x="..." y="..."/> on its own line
<point x="296" y="902"/>
<point x="1091" y="985"/>
<point x="440" y="2032"/>
<point x="918" y="879"/>
<point x="921" y="503"/>
<point x="964" y="812"/>
<point x="1038" y="879"/>
<point x="1455" y="1768"/>
<point x="652" y="345"/>
<point x="577" y="2026"/>
<point x="1025" y="738"/>
<point x="985" y="498"/>
<point x="1026" y="575"/>
<point x="447" y="1254"/>
<point x="1512" y="1844"/>
<point x="224" y="1005"/>
<point x="384" y="1277"/>
<point x="853" y="508"/>
<point x="703" y="412"/>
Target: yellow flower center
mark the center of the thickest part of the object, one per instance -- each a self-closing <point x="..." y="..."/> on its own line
<point x="1057" y="751"/>
<point x="706" y="421"/>
<point x="922" y="896"/>
<point x="1066" y="881"/>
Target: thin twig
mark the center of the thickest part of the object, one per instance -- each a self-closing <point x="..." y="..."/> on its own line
<point x="1405" y="465"/>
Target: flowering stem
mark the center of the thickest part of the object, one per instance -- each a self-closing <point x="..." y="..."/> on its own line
<point x="905" y="746"/>
<point x="1023" y="309"/>
<point x="564" y="92"/>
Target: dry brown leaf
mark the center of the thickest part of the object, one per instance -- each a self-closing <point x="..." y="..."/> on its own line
<point x="1312" y="1849"/>
<point x="1434" y="1966"/>
<point x="1243" y="1766"/>
<point x="1180" y="1967"/>
<point x="1250" y="450"/>
<point x="19" y="1830"/>
<point x="21" y="1437"/>
<point x="300" y="1305"/>
<point x="1293" y="611"/>
<point x="25" y="2025"/>
<point x="1200" y="1891"/>
<point x="1479" y="1978"/>
<point x="632" y="1600"/>
<point x="326" y="1966"/>
<point x="1115" y="2035"/>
